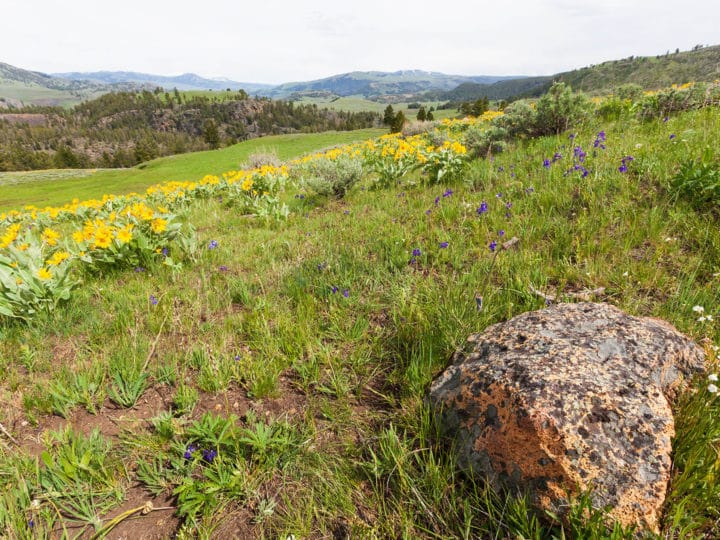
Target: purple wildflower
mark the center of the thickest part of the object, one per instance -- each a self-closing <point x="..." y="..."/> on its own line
<point x="498" y="196"/>
<point x="672" y="136"/>
<point x="346" y="293"/>
<point x="622" y="168"/>
<point x="213" y="244"/>
<point x="493" y="245"/>
<point x="557" y="156"/>
<point x="483" y="208"/>
<point x="428" y="212"/>
<point x="666" y="119"/>
<point x="508" y="205"/>
<point x="501" y="232"/>
<point x="139" y="269"/>
<point x="165" y="251"/>
<point x="189" y="452"/>
<point x="334" y="289"/>
<point x="546" y="163"/>
<point x="416" y="252"/>
<point x="443" y="245"/>
<point x="223" y="268"/>
<point x="437" y="200"/>
<point x="209" y="455"/>
<point x="447" y="193"/>
<point x="153" y="300"/>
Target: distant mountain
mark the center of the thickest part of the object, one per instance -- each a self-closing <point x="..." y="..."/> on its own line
<point x="23" y="87"/>
<point x="186" y="81"/>
<point x="372" y="84"/>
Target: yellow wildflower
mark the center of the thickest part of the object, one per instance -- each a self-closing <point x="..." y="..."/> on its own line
<point x="124" y="235"/>
<point x="158" y="225"/>
<point x="50" y="236"/>
<point x="44" y="274"/>
<point x="57" y="258"/>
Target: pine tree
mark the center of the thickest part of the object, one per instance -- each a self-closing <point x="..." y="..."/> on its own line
<point x="421" y="114"/>
<point x="389" y="116"/>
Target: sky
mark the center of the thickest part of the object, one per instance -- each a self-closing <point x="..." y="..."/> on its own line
<point x="274" y="41"/>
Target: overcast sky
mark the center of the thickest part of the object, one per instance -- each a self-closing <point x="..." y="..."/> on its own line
<point x="277" y="41"/>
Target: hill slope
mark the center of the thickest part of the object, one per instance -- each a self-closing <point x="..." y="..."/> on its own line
<point x="23" y="87"/>
<point x="378" y="83"/>
<point x="650" y="72"/>
<point x="186" y="81"/>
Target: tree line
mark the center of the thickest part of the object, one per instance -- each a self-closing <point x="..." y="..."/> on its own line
<point x="122" y="129"/>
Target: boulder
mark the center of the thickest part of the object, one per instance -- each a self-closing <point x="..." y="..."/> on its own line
<point x="566" y="399"/>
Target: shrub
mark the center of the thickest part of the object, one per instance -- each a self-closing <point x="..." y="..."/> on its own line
<point x="262" y="158"/>
<point x="483" y="141"/>
<point x="330" y="177"/>
<point x="698" y="180"/>
<point x="519" y="120"/>
<point x="417" y="128"/>
<point x="559" y="110"/>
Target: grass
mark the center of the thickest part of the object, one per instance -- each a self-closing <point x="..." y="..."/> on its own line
<point x="260" y="398"/>
<point x="359" y="103"/>
<point x="57" y="187"/>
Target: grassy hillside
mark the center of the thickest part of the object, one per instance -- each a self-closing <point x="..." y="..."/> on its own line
<point x="650" y="72"/>
<point x="269" y="380"/>
<point x="42" y="188"/>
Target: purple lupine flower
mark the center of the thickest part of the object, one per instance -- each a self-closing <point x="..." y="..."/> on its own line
<point x="672" y="136"/>
<point x="213" y="244"/>
<point x="153" y="300"/>
<point x="443" y="245"/>
<point x="501" y="232"/>
<point x="209" y="455"/>
<point x="334" y="289"/>
<point x="557" y="156"/>
<point x="346" y="293"/>
<point x="498" y="196"/>
<point x="447" y="193"/>
<point x="622" y="168"/>
<point x="508" y="205"/>
<point x="416" y="252"/>
<point x="493" y="245"/>
<point x="165" y="251"/>
<point x="572" y="136"/>
<point x="666" y="119"/>
<point x="483" y="208"/>
<point x="189" y="452"/>
<point x="601" y="136"/>
<point x="546" y="163"/>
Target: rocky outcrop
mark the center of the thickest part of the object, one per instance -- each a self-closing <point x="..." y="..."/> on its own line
<point x="569" y="398"/>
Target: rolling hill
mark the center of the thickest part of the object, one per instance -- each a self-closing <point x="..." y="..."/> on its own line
<point x="186" y="81"/>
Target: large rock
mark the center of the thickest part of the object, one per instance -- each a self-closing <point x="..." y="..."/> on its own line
<point x="568" y="398"/>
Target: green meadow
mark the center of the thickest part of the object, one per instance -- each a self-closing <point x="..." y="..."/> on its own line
<point x="272" y="383"/>
<point x="56" y="187"/>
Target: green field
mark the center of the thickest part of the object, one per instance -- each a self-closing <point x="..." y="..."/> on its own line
<point x="57" y="187"/>
<point x="269" y="378"/>
<point x="359" y="103"/>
